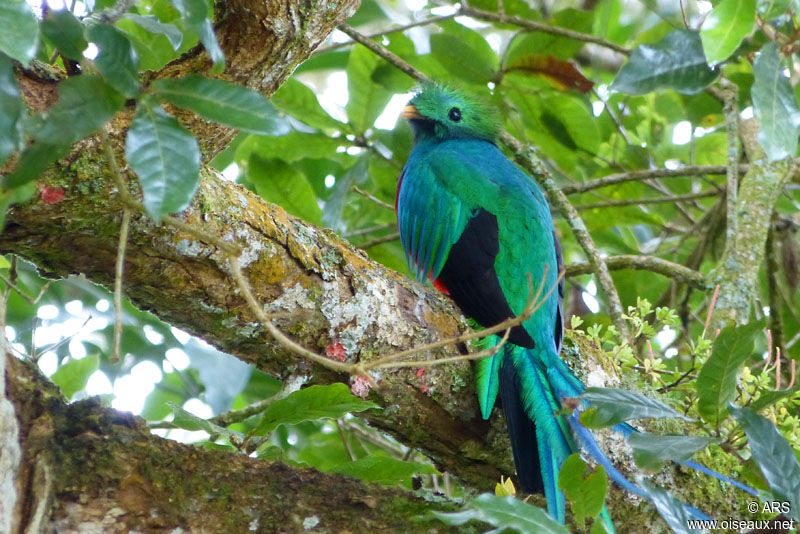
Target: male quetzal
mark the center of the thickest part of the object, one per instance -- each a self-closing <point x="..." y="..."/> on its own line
<point x="477" y="227"/>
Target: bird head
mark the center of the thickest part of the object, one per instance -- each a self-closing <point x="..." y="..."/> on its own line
<point x="441" y="113"/>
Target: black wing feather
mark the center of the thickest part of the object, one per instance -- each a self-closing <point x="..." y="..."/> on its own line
<point x="470" y="278"/>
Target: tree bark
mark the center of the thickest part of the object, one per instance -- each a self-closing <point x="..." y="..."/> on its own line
<point x="86" y="468"/>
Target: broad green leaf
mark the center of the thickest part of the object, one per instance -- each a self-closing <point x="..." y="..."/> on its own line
<point x="676" y="62"/>
<point x="33" y="161"/>
<point x="223" y="102"/>
<point x="716" y="382"/>
<point x="608" y="406"/>
<point x="189" y="421"/>
<point x="577" y="119"/>
<point x="169" y="390"/>
<point x="507" y="513"/>
<point x="116" y="59"/>
<point x="332" y="214"/>
<point x="463" y="60"/>
<point x="12" y="110"/>
<point x="278" y="182"/>
<point x="775" y="105"/>
<point x="767" y="398"/>
<point x="195" y="16"/>
<point x="563" y="48"/>
<point x="299" y="101"/>
<point x="383" y="469"/>
<point x="152" y="24"/>
<point x="193" y="12"/>
<point x="310" y="404"/>
<point x="66" y="32"/>
<point x="366" y="99"/>
<point x="73" y="375"/>
<point x="166" y="158"/>
<point x="650" y="450"/>
<point x="774" y="456"/>
<point x="292" y="147"/>
<point x="85" y="103"/>
<point x="153" y="49"/>
<point x="725" y="27"/>
<point x="19" y="31"/>
<point x="671" y="509"/>
<point x="584" y="488"/>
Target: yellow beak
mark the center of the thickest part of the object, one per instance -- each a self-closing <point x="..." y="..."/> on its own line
<point x="411" y="112"/>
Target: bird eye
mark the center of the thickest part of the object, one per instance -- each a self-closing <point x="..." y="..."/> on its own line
<point x="454" y="114"/>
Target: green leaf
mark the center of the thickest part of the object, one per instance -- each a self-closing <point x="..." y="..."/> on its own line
<point x="299" y="101"/>
<point x="73" y="375"/>
<point x="332" y="215"/>
<point x="11" y="110"/>
<point x="152" y="24"/>
<point x="609" y="406"/>
<point x="310" y="404"/>
<point x="672" y="510"/>
<point x="676" y="62"/>
<point x="85" y="103"/>
<point x="716" y="382"/>
<point x="769" y="397"/>
<point x="463" y="60"/>
<point x="775" y="105"/>
<point x="366" y="99"/>
<point x="223" y="102"/>
<point x="292" y="147"/>
<point x="278" y="182"/>
<point x="19" y="31"/>
<point x="66" y="32"/>
<point x="505" y="513"/>
<point x="650" y="450"/>
<point x="383" y="469"/>
<point x="166" y="158"/>
<point x="193" y="12"/>
<point x="725" y="27"/>
<point x="583" y="487"/>
<point x="189" y="421"/>
<point x="116" y="59"/>
<point x="774" y="456"/>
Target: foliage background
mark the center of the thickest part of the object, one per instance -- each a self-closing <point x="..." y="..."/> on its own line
<point x="327" y="151"/>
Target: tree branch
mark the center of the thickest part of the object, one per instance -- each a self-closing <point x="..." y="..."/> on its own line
<point x="152" y="484"/>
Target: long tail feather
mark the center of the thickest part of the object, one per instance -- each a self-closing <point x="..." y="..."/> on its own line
<point x="532" y="383"/>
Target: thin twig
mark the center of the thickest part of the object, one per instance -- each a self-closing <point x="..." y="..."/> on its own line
<point x="372" y="198"/>
<point x="540" y="27"/>
<point x="371" y="229"/>
<point x="432" y="20"/>
<point x="632" y="176"/>
<point x="640" y="262"/>
<point x="641" y="201"/>
<point x="345" y="442"/>
<point x="380" y="240"/>
<point x="120" y="266"/>
<point x="274" y="331"/>
<point x="381" y="51"/>
<point x="542" y="175"/>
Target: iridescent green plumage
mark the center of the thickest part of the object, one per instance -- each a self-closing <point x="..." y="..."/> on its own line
<point x="479" y="228"/>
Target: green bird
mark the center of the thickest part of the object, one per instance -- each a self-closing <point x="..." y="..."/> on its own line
<point x="477" y="227"/>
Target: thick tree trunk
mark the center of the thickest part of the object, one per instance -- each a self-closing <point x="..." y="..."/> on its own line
<point x="86" y="468"/>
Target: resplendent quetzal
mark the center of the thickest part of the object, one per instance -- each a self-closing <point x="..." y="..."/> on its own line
<point x="478" y="227"/>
